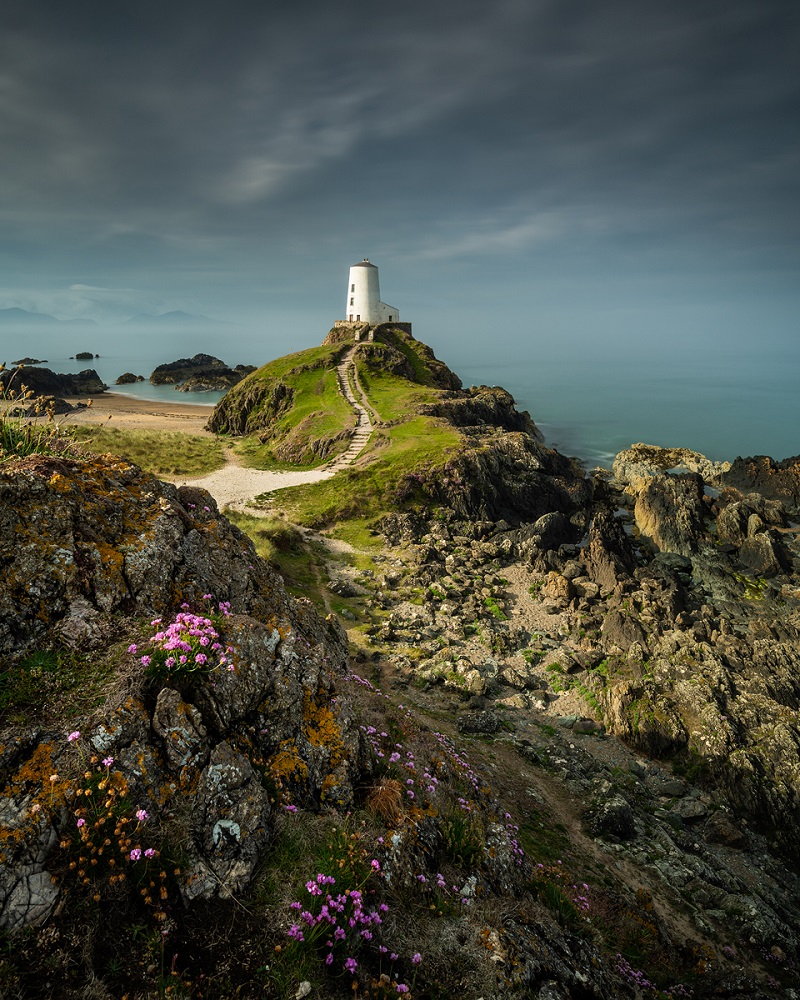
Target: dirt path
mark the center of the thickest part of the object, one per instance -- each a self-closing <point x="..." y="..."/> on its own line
<point x="234" y="485"/>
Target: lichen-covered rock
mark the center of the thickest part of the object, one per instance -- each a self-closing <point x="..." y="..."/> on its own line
<point x="181" y="728"/>
<point x="231" y="825"/>
<point x="82" y="539"/>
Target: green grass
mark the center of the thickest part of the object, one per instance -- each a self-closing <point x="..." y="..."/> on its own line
<point x="48" y="682"/>
<point x="301" y="562"/>
<point x="398" y="454"/>
<point x="392" y="397"/>
<point x="303" y="432"/>
<point x="319" y="412"/>
<point x="21" y="435"/>
<point x="163" y="453"/>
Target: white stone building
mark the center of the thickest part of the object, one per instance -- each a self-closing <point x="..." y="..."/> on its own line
<point x="364" y="297"/>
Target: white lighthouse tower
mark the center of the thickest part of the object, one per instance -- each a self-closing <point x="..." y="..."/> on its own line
<point x="364" y="297"/>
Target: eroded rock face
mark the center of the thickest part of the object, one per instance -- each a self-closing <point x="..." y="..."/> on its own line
<point x="639" y="463"/>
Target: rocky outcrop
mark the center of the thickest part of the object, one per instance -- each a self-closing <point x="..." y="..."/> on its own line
<point x="395" y="351"/>
<point x="89" y="546"/>
<point x="107" y="535"/>
<point x="769" y="479"/>
<point x="201" y="373"/>
<point x="128" y="378"/>
<point x="219" y="381"/>
<point x="482" y="406"/>
<point x="670" y="512"/>
<point x="44" y="382"/>
<point x="639" y="463"/>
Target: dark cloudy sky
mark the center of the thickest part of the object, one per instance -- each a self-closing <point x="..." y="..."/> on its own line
<point x="626" y="169"/>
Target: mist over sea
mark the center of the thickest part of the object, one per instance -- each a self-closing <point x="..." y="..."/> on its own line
<point x="589" y="401"/>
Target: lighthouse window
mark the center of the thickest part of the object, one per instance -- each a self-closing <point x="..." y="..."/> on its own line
<point x="351" y="301"/>
<point x="352" y="288"/>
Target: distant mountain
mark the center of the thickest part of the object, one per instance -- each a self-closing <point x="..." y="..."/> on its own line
<point x="174" y="318"/>
<point x="23" y="316"/>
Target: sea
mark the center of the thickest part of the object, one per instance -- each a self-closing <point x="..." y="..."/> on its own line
<point x="590" y="404"/>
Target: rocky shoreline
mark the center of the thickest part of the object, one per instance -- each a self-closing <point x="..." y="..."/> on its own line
<point x="568" y="702"/>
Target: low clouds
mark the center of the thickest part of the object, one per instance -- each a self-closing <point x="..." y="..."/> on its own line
<point x="177" y="141"/>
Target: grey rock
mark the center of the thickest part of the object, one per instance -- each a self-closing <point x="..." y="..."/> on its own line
<point x="479" y="722"/>
<point x="231" y="826"/>
<point x="612" y="817"/>
<point x="181" y="728"/>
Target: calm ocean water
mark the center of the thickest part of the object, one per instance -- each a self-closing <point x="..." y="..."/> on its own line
<point x="723" y="403"/>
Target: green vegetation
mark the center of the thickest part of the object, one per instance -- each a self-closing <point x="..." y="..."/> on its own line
<point x="53" y="682"/>
<point x="284" y="547"/>
<point x="291" y="411"/>
<point x="403" y="458"/>
<point x="163" y="453"/>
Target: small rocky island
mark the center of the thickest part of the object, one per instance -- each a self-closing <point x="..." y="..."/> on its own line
<point x="201" y="373"/>
<point x="536" y="735"/>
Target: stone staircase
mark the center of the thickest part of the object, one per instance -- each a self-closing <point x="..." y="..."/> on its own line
<point x="345" y="372"/>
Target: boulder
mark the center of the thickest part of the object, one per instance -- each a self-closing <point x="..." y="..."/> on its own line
<point x="670" y="511"/>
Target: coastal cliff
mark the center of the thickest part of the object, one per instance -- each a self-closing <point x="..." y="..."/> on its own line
<point x="555" y="754"/>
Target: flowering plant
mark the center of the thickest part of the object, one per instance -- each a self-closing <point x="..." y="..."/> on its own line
<point x="189" y="646"/>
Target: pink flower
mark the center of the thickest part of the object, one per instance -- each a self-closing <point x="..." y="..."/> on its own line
<point x="142" y="815"/>
<point x="132" y="647"/>
<point x="402" y="988"/>
<point x="149" y="853"/>
<point x="81" y="822"/>
<point x="351" y="965"/>
<point x="416" y="958"/>
<point x="74" y="736"/>
<point x="136" y="853"/>
<point x="108" y="761"/>
<point x="145" y="661"/>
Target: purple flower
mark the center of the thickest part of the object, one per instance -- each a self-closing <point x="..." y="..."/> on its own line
<point x="416" y="958"/>
<point x="291" y="809"/>
<point x="402" y="988"/>
<point x="376" y="865"/>
<point x="145" y="661"/>
<point x="136" y="853"/>
<point x="132" y="647"/>
<point x="74" y="736"/>
<point x="149" y="853"/>
<point x="329" y="956"/>
<point x="142" y="815"/>
<point x="108" y="761"/>
<point x="351" y="965"/>
<point x="81" y="822"/>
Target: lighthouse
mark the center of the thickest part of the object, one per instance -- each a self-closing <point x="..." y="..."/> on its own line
<point x="364" y="297"/>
